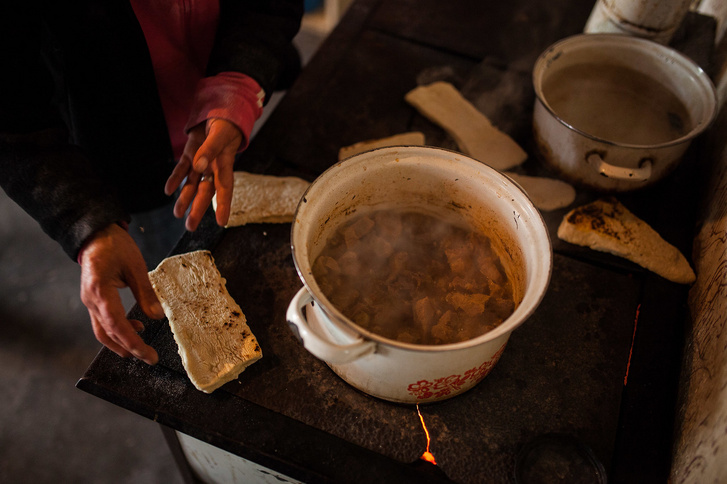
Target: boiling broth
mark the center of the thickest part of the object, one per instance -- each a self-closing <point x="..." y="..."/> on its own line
<point x="616" y="104"/>
<point x="414" y="278"/>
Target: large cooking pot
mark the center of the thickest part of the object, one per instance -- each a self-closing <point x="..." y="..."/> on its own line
<point x="437" y="181"/>
<point x="616" y="113"/>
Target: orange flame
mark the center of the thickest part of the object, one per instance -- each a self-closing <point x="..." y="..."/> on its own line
<point x="631" y="350"/>
<point x="427" y="456"/>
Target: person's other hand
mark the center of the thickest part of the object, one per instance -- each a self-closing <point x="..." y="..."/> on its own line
<point x="206" y="164"/>
<point x="110" y="261"/>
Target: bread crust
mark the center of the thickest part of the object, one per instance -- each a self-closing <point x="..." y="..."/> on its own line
<point x="264" y="198"/>
<point x="211" y="331"/>
<point x="443" y="104"/>
<point x="607" y="225"/>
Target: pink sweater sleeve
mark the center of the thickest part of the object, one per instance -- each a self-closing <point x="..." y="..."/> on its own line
<point x="231" y="96"/>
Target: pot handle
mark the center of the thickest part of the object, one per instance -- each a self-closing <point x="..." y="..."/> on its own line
<point x="316" y="344"/>
<point x="642" y="173"/>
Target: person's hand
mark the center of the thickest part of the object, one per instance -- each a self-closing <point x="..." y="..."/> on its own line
<point x="109" y="261"/>
<point x="206" y="164"/>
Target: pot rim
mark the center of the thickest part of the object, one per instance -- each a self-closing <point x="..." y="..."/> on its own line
<point x="621" y="39"/>
<point x="503" y="329"/>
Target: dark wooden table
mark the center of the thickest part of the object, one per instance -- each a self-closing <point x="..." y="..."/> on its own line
<point x="597" y="362"/>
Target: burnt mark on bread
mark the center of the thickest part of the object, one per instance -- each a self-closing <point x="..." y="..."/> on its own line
<point x="595" y="215"/>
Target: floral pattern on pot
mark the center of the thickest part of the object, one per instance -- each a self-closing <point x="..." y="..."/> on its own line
<point x="441" y="387"/>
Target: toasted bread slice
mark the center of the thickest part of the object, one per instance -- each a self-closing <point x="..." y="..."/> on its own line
<point x="210" y="329"/>
<point x="263" y="198"/>
<point x="545" y="193"/>
<point x="475" y="135"/>
<point x="608" y="226"/>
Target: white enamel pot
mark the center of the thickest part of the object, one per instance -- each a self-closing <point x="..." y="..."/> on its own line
<point x="442" y="182"/>
<point x="594" y="160"/>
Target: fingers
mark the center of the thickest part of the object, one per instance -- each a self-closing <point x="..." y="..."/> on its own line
<point x="105" y="340"/>
<point x="178" y="175"/>
<point x="187" y="194"/>
<point x="184" y="166"/>
<point x="137" y="325"/>
<point x="224" y="181"/>
<point x="113" y="330"/>
<point x="220" y="146"/>
<point x="222" y="137"/>
<point x="137" y="278"/>
<point x="205" y="192"/>
<point x="109" y="261"/>
<point x="212" y="146"/>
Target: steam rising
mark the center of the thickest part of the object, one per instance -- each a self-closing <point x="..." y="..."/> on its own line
<point x="413" y="277"/>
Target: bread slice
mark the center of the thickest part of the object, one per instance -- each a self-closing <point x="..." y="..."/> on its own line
<point x="608" y="226"/>
<point x="545" y="193"/>
<point x="444" y="105"/>
<point x="411" y="138"/>
<point x="264" y="198"/>
<point x="210" y="329"/>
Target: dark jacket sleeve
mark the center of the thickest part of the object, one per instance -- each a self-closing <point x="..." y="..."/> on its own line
<point x="255" y="38"/>
<point x="79" y="166"/>
<point x="40" y="170"/>
<point x="55" y="184"/>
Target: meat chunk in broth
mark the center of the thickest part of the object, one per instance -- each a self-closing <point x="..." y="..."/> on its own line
<point x="414" y="278"/>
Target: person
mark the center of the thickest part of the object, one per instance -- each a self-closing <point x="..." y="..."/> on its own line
<point x="109" y="108"/>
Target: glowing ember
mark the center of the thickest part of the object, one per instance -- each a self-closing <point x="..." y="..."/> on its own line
<point x="633" y="337"/>
<point x="427" y="456"/>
